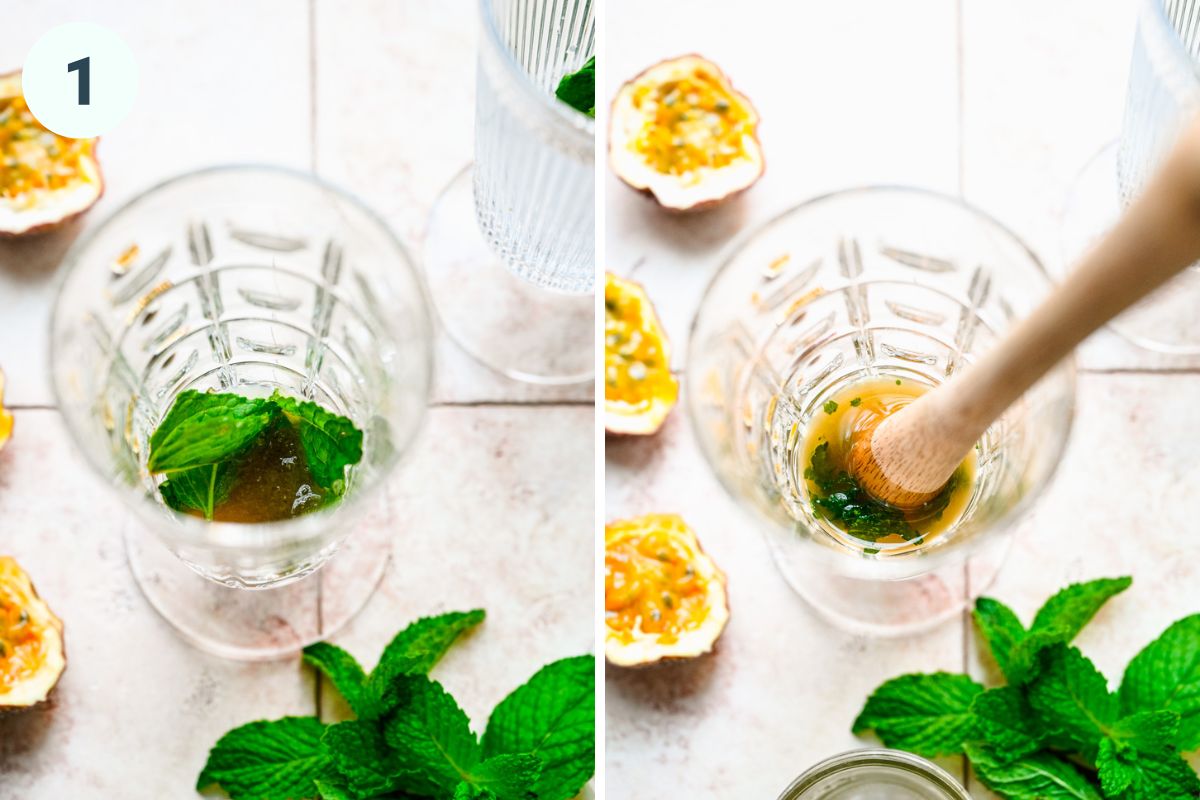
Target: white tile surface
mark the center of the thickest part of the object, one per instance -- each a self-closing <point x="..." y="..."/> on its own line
<point x="1042" y="89"/>
<point x="492" y="508"/>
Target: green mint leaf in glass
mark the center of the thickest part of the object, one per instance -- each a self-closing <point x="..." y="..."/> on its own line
<point x="413" y="651"/>
<point x="578" y="89"/>
<point x="331" y="442"/>
<point x="1165" y="676"/>
<point x="431" y="738"/>
<point x="342" y="670"/>
<point x="1001" y="630"/>
<point x="1040" y="776"/>
<point x="1073" y="607"/>
<point x="1006" y="722"/>
<point x="1072" y="700"/>
<point x="926" y="714"/>
<point x="278" y="760"/>
<point x="198" y="489"/>
<point x="365" y="763"/>
<point x="552" y="717"/>
<point x="1134" y="774"/>
<point x="206" y="428"/>
<point x="508" y="777"/>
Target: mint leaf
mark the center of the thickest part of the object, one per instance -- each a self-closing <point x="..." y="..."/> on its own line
<point x="927" y="714"/>
<point x="334" y="789"/>
<point x="1001" y="630"/>
<point x="1073" y="607"/>
<point x="508" y="777"/>
<point x="363" y="759"/>
<point x="1057" y="622"/>
<point x="1072" y="699"/>
<point x="1147" y="730"/>
<point x="1005" y="721"/>
<point x="423" y="643"/>
<point x="413" y="651"/>
<point x="1134" y="774"/>
<point x="198" y="489"/>
<point x="1041" y="776"/>
<point x="1024" y="662"/>
<point x="552" y="717"/>
<point x="578" y="89"/>
<point x="431" y="738"/>
<point x="278" y="760"/>
<point x="331" y="442"/>
<point x="206" y="428"/>
<point x="467" y="791"/>
<point x="342" y="670"/>
<point x="1166" y="676"/>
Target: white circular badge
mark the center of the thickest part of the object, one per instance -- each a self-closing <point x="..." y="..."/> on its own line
<point x="80" y="80"/>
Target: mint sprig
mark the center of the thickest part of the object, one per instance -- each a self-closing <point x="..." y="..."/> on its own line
<point x="412" y="739"/>
<point x="1057" y="731"/>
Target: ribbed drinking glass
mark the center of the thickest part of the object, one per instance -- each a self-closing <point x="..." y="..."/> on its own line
<point x="510" y="250"/>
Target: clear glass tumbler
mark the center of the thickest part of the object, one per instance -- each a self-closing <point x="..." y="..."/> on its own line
<point x="1163" y="95"/>
<point x="510" y="249"/>
<point x="875" y="775"/>
<point x="869" y="283"/>
<point x="246" y="279"/>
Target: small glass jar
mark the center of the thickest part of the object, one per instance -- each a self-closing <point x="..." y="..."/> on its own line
<point x="875" y="775"/>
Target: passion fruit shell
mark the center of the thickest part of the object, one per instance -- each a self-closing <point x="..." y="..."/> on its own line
<point x="682" y="134"/>
<point x="45" y="179"/>
<point x="639" y="389"/>
<point x="664" y="598"/>
<point x="32" y="654"/>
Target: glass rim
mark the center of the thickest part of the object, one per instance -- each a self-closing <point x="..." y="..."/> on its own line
<point x="551" y="110"/>
<point x="239" y="536"/>
<point x="934" y="775"/>
<point x="930" y="557"/>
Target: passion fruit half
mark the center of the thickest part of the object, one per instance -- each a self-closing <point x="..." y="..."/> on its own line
<point x="32" y="657"/>
<point x="639" y="389"/>
<point x="45" y="179"/>
<point x="664" y="598"/>
<point x="681" y="133"/>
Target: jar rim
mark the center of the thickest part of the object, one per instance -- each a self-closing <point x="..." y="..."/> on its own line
<point x="935" y="776"/>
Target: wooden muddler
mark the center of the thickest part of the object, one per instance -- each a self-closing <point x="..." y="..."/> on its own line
<point x="909" y="456"/>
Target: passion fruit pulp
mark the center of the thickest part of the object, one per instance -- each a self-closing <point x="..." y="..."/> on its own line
<point x="6" y="419"/>
<point x="639" y="389"/>
<point x="45" y="179"/>
<point x="681" y="133"/>
<point x="664" y="598"/>
<point x="32" y="656"/>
